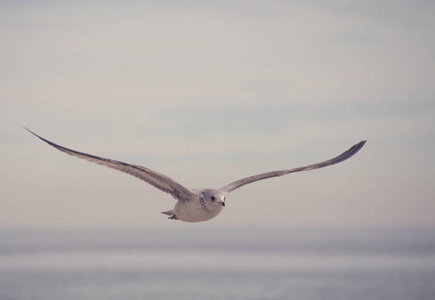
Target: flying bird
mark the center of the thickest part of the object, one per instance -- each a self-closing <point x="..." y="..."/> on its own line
<point x="195" y="205"/>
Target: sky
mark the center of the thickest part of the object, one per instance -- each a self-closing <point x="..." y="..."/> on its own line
<point x="207" y="92"/>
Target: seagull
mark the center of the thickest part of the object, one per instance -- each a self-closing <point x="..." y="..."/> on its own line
<point x="195" y="205"/>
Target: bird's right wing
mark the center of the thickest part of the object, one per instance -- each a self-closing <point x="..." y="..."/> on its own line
<point x="160" y="181"/>
<point x="342" y="157"/>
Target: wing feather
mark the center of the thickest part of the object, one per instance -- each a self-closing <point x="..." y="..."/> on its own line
<point x="340" y="158"/>
<point x="159" y="181"/>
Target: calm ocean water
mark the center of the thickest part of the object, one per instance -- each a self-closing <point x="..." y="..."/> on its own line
<point x="218" y="264"/>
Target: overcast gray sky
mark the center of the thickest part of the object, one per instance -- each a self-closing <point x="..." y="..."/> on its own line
<point x="208" y="92"/>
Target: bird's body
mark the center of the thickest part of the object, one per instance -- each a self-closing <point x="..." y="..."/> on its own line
<point x="200" y="207"/>
<point x="195" y="205"/>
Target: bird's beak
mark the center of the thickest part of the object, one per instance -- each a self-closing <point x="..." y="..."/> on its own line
<point x="223" y="203"/>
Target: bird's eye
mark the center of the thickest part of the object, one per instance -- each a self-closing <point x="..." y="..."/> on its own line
<point x="212" y="198"/>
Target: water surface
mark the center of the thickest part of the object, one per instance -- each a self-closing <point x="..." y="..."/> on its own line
<point x="218" y="264"/>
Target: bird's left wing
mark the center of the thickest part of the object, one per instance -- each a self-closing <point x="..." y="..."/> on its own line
<point x="342" y="157"/>
<point x="159" y="181"/>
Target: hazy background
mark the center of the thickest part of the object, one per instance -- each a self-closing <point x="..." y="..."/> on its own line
<point x="208" y="92"/>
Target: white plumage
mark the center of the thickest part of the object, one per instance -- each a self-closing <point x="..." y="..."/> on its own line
<point x="195" y="205"/>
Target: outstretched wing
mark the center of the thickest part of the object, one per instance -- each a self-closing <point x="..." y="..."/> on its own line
<point x="342" y="157"/>
<point x="162" y="182"/>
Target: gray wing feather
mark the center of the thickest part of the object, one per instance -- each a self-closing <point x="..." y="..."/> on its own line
<point x="159" y="181"/>
<point x="342" y="157"/>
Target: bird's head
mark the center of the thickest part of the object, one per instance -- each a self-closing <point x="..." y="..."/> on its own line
<point x="213" y="198"/>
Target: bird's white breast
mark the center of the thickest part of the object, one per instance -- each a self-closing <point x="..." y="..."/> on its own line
<point x="195" y="211"/>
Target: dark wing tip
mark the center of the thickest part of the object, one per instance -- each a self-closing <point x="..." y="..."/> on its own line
<point x="47" y="141"/>
<point x="32" y="132"/>
<point x="349" y="153"/>
<point x="360" y="145"/>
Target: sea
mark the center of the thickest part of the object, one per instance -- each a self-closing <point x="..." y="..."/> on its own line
<point x="218" y="263"/>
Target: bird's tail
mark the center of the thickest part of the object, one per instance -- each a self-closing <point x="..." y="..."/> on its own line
<point x="171" y="213"/>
